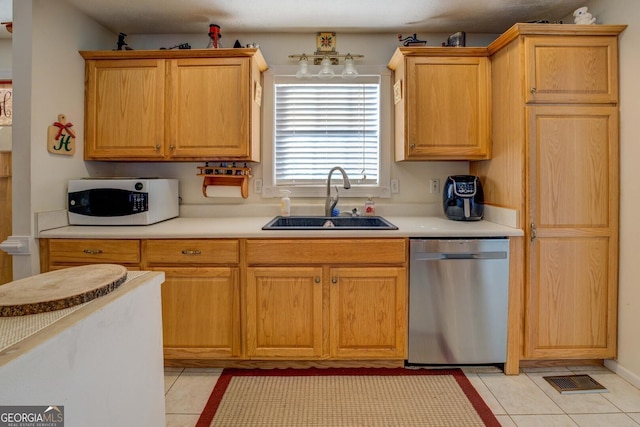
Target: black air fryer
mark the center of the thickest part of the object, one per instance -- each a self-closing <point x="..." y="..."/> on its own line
<point x="462" y="198"/>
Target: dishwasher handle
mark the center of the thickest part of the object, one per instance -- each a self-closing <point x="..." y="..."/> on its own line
<point x="442" y="256"/>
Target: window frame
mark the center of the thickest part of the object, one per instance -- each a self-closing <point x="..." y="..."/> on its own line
<point x="382" y="190"/>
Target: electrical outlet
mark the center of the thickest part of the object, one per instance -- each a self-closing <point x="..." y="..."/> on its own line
<point x="434" y="186"/>
<point x="257" y="186"/>
<point x="395" y="186"/>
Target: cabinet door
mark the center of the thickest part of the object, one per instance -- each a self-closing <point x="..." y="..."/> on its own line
<point x="571" y="69"/>
<point x="284" y="312"/>
<point x="208" y="112"/>
<point x="573" y="209"/>
<point x="368" y="309"/>
<point x="201" y="312"/>
<point x="124" y="109"/>
<point x="447" y="108"/>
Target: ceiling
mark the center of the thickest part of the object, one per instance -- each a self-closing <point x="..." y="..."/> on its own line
<point x="365" y="16"/>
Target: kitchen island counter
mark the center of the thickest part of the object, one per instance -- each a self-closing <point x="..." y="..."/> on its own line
<point x="251" y="227"/>
<point x="80" y="357"/>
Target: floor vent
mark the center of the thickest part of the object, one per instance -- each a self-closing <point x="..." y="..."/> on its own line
<point x="574" y="384"/>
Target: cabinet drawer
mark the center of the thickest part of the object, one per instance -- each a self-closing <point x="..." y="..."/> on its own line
<point x="94" y="251"/>
<point x="167" y="252"/>
<point x="327" y="251"/>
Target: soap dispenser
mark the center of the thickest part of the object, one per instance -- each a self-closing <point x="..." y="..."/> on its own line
<point x="285" y="203"/>
<point x="369" y="207"/>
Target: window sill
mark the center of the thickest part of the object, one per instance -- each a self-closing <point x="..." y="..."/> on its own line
<point x="381" y="192"/>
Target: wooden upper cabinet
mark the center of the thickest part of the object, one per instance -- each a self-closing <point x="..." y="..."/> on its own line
<point x="208" y="112"/>
<point x="562" y="69"/>
<point x="183" y="105"/>
<point x="442" y="104"/>
<point x="124" y="109"/>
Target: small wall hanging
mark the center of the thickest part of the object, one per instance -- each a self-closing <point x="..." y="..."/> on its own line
<point x="6" y="103"/>
<point x="60" y="138"/>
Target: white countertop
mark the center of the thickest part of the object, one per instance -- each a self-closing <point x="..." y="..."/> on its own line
<point x="251" y="227"/>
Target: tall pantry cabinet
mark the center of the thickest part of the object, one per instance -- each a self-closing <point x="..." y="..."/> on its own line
<point x="555" y="161"/>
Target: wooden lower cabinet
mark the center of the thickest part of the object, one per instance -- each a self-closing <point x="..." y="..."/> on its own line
<point x="337" y="313"/>
<point x="201" y="312"/>
<point x="328" y="311"/>
<point x="255" y="302"/>
<point x="56" y="254"/>
<point x="368" y="313"/>
<point x="200" y="296"/>
<point x="284" y="312"/>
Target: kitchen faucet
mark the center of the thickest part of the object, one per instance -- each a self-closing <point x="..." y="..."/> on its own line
<point x="330" y="202"/>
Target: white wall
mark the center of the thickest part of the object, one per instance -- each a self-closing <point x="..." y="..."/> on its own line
<point x="48" y="80"/>
<point x="627" y="12"/>
<point x="5" y="57"/>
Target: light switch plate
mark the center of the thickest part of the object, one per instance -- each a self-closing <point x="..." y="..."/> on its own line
<point x="257" y="186"/>
<point x="395" y="186"/>
<point x="434" y="186"/>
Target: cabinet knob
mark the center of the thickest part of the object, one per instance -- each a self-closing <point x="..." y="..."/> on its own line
<point x="533" y="90"/>
<point x="157" y="147"/>
<point x="172" y="147"/>
<point x="413" y="146"/>
<point x="334" y="280"/>
<point x="92" y="251"/>
<point x="191" y="252"/>
<point x="317" y="280"/>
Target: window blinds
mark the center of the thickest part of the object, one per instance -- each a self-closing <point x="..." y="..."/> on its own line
<point x="319" y="126"/>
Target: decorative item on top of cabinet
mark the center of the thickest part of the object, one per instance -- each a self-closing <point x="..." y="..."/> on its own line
<point x="173" y="105"/>
<point x="442" y="103"/>
<point x="582" y="17"/>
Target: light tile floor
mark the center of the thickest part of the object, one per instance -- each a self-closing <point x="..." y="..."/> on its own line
<point x="524" y="400"/>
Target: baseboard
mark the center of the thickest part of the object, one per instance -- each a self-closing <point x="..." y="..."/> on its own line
<point x="632" y="377"/>
<point x="281" y="364"/>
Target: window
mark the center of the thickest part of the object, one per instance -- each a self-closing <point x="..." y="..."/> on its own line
<point x="319" y="126"/>
<point x="315" y="125"/>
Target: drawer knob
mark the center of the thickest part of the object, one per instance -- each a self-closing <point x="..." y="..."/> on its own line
<point x="317" y="280"/>
<point x="191" y="252"/>
<point x="92" y="251"/>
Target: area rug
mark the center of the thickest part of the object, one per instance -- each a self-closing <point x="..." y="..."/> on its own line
<point x="345" y="397"/>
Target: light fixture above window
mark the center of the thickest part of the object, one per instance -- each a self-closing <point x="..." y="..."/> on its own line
<point x="326" y="61"/>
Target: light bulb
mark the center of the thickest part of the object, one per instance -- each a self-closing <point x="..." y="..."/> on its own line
<point x="303" y="68"/>
<point x="326" y="72"/>
<point x="349" y="69"/>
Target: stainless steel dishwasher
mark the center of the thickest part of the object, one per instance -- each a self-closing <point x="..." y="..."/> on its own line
<point x="458" y="301"/>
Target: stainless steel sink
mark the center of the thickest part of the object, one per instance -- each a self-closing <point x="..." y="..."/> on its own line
<point x="329" y="223"/>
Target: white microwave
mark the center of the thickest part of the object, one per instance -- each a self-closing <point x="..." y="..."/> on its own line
<point x="122" y="201"/>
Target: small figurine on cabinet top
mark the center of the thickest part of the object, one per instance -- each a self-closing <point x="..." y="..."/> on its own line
<point x="411" y="41"/>
<point x="582" y="17"/>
